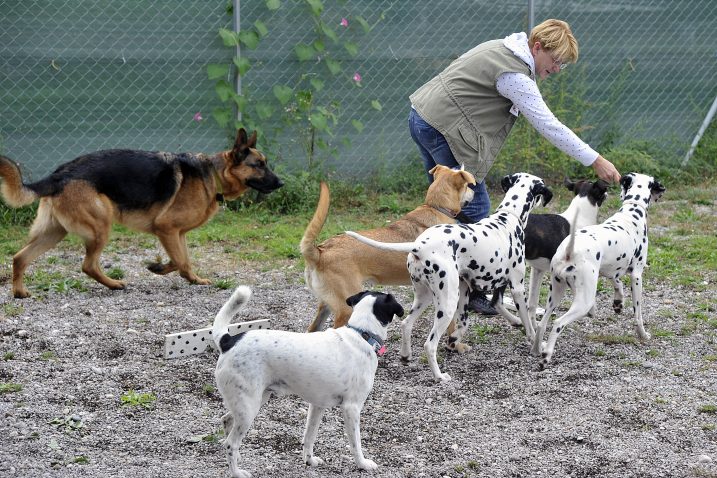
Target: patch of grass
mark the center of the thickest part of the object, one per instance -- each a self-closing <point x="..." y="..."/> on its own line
<point x="480" y="333"/>
<point x="9" y="387"/>
<point x="652" y="353"/>
<point x="225" y="284"/>
<point x="81" y="460"/>
<point x="134" y="399"/>
<point x="710" y="358"/>
<point x="116" y="273"/>
<point x="48" y="355"/>
<point x="609" y="339"/>
<point x="54" y="281"/>
<point x="709" y="426"/>
<point x="707" y="409"/>
<point x="662" y="333"/>
<point x="600" y="353"/>
<point x="12" y="310"/>
<point x="208" y="389"/>
<point x="661" y="401"/>
<point x="8" y="356"/>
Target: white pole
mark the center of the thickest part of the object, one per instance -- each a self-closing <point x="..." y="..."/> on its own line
<point x="237" y="28"/>
<point x="705" y="124"/>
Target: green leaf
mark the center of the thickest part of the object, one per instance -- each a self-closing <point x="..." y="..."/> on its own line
<point x="273" y="4"/>
<point x="261" y="28"/>
<point x="224" y="90"/>
<point x="242" y="63"/>
<point x="304" y="52"/>
<point x="329" y="32"/>
<point x="333" y="66"/>
<point x="250" y="38"/>
<point x="240" y="101"/>
<point x="317" y="84"/>
<point x="317" y="6"/>
<point x="351" y="47"/>
<point x="216" y="70"/>
<point x="319" y="45"/>
<point x="304" y="98"/>
<point x="283" y="93"/>
<point x="362" y="21"/>
<point x="228" y="37"/>
<point x="376" y="105"/>
<point x="319" y="121"/>
<point x="358" y="125"/>
<point x="264" y="111"/>
<point x="222" y="116"/>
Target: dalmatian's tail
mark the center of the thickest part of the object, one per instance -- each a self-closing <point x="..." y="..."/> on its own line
<point x="220" y="329"/>
<point x="386" y="246"/>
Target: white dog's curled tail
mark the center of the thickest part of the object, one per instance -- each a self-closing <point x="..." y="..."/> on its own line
<point x="571" y="243"/>
<point x="236" y="302"/>
<point x="386" y="246"/>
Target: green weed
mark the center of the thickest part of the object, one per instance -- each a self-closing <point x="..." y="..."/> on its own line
<point x="711" y="409"/>
<point x="135" y="399"/>
<point x="608" y="339"/>
<point x="9" y="387"/>
<point x="12" y="310"/>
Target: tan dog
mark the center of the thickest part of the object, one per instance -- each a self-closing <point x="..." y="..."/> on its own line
<point x="337" y="268"/>
<point x="165" y="194"/>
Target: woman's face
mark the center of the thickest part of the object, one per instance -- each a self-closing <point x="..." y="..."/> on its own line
<point x="545" y="62"/>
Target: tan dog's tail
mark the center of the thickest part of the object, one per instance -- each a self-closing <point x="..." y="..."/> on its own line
<point x="220" y="328"/>
<point x="386" y="246"/>
<point x="308" y="242"/>
<point x="12" y="189"/>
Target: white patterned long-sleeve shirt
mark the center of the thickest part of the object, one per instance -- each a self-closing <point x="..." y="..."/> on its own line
<point x="523" y="92"/>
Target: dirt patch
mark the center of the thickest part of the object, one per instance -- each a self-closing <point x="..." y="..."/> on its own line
<point x="604" y="407"/>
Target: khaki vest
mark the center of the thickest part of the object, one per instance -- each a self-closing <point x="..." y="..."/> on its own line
<point x="462" y="102"/>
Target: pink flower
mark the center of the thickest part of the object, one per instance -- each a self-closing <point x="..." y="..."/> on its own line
<point x="344" y="22"/>
<point x="198" y="116"/>
<point x="357" y="77"/>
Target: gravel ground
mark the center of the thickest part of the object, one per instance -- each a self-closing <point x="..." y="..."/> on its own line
<point x="605" y="407"/>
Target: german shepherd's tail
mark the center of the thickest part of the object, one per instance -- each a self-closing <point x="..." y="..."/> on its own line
<point x="12" y="189"/>
<point x="386" y="246"/>
<point x="308" y="242"/>
<point x="220" y="329"/>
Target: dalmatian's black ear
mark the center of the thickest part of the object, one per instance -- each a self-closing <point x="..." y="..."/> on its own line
<point x="356" y="298"/>
<point x="656" y="190"/>
<point x="508" y="181"/>
<point x="625" y="183"/>
<point x="545" y="193"/>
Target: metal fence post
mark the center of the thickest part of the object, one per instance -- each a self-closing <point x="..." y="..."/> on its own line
<point x="237" y="29"/>
<point x="531" y="16"/>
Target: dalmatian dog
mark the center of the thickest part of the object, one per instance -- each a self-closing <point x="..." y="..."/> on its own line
<point x="447" y="261"/>
<point x="335" y="367"/>
<point x="545" y="232"/>
<point x="612" y="249"/>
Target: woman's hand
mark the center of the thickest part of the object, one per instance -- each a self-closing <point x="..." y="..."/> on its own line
<point x="605" y="170"/>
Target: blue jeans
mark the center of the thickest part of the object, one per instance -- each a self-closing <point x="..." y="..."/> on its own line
<point x="434" y="150"/>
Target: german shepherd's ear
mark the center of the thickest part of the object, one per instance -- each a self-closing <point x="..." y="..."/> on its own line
<point x="241" y="141"/>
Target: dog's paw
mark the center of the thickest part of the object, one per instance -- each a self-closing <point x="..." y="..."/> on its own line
<point x="644" y="335"/>
<point x="617" y="306"/>
<point x="367" y="465"/>
<point x="443" y="377"/>
<point x="313" y="461"/>
<point x="117" y="285"/>
<point x="201" y="281"/>
<point x="20" y="293"/>
<point x="242" y="474"/>
<point x="405" y="360"/>
<point x="461" y="348"/>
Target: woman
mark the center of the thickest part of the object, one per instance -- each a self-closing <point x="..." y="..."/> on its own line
<point x="464" y="114"/>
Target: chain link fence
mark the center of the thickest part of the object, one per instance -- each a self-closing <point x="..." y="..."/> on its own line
<point x="82" y="75"/>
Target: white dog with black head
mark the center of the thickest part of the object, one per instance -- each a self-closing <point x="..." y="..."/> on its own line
<point x="332" y="368"/>
<point x="612" y="249"/>
<point x="449" y="260"/>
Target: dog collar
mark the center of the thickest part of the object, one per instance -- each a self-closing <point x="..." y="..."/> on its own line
<point x="372" y="340"/>
<point x="459" y="216"/>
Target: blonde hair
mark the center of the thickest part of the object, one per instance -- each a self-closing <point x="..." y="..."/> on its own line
<point x="556" y="37"/>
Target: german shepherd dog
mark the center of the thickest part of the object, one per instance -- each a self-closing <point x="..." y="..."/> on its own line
<point x="165" y="194"/>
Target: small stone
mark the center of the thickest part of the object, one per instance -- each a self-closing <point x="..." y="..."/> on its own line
<point x="704" y="459"/>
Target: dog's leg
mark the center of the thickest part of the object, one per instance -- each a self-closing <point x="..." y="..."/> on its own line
<point x="458" y="325"/>
<point x="518" y="292"/>
<point x="536" y="278"/>
<point x="243" y="411"/>
<point x="421" y="298"/>
<point x="91" y="265"/>
<point x="312" y="428"/>
<point x="175" y="243"/>
<point x="322" y="313"/>
<point x="584" y="291"/>
<point x="352" y="424"/>
<point x="636" y="286"/>
<point x="619" y="296"/>
<point x="44" y="234"/>
<point x="558" y="287"/>
<point x="445" y="305"/>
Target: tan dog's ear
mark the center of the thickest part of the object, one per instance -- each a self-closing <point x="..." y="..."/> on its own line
<point x="468" y="177"/>
<point x="435" y="169"/>
<point x="252" y="140"/>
